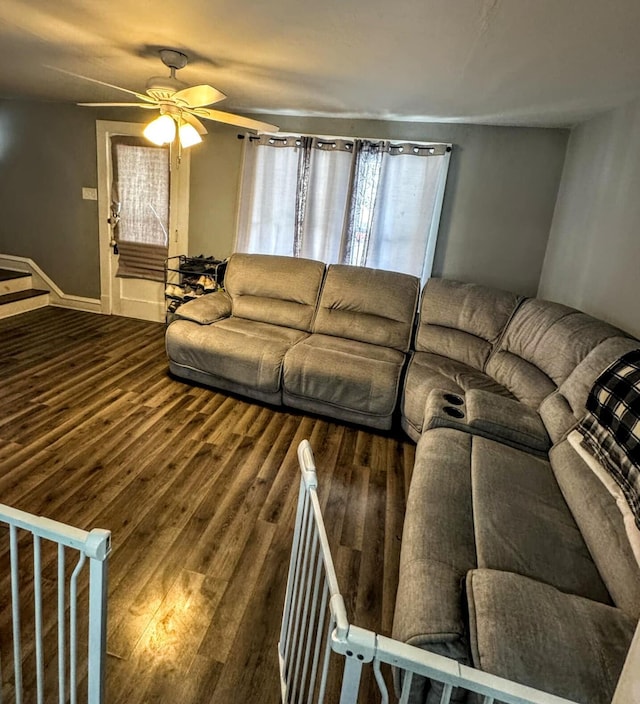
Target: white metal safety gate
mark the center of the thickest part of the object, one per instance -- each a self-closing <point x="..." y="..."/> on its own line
<point x="315" y="625"/>
<point x="53" y="639"/>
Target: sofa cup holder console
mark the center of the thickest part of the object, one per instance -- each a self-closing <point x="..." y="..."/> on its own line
<point x="453" y="412"/>
<point x="496" y="420"/>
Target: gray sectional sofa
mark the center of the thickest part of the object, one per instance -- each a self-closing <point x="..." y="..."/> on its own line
<point x="514" y="555"/>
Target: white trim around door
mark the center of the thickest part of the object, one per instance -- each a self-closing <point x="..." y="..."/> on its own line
<point x="144" y="303"/>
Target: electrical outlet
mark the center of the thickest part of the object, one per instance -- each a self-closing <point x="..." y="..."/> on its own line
<point x="89" y="194"/>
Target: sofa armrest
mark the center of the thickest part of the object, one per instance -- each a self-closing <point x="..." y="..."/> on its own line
<point x="488" y="415"/>
<point x="206" y="309"/>
<point x="507" y="419"/>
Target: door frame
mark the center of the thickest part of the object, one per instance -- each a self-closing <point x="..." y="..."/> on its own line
<point x="180" y="165"/>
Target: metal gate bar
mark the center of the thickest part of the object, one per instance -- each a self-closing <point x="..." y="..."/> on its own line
<point x="305" y="636"/>
<point x="93" y="545"/>
<point x="305" y="621"/>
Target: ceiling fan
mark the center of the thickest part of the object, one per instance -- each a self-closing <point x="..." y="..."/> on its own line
<point x="181" y="106"/>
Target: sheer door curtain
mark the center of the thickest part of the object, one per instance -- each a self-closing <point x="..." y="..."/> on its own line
<point x="140" y="205"/>
<point x="363" y="202"/>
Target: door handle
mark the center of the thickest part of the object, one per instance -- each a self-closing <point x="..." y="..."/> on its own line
<point x="114" y="219"/>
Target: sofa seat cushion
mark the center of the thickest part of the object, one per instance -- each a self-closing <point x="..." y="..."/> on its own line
<point x="539" y="636"/>
<point x="437" y="546"/>
<point x="522" y="523"/>
<point x="241" y="351"/>
<point x="429" y="371"/>
<point x="345" y="374"/>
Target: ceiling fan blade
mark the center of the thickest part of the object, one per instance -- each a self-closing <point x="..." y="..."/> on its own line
<point x="230" y="119"/>
<point x="194" y="122"/>
<point x="195" y="96"/>
<point x="147" y="106"/>
<point x="140" y="96"/>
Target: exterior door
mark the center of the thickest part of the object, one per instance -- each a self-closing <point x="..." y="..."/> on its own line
<point x="125" y="288"/>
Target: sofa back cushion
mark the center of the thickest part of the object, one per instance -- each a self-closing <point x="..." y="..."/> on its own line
<point x="462" y="321"/>
<point x="272" y="289"/>
<point x="542" y="344"/>
<point x="565" y="407"/>
<point x="368" y="305"/>
<point x="579" y="383"/>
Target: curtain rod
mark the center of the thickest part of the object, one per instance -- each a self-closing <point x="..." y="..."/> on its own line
<point x="324" y="139"/>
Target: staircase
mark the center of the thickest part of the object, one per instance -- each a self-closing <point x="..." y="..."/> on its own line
<point x="17" y="294"/>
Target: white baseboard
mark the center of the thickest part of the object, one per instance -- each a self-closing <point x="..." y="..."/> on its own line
<point x="91" y="305"/>
<point x="57" y="297"/>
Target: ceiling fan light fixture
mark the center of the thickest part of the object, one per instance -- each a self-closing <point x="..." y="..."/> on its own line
<point x="161" y="131"/>
<point x="176" y="99"/>
<point x="188" y="135"/>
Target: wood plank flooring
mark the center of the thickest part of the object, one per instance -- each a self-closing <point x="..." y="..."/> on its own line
<point x="199" y="490"/>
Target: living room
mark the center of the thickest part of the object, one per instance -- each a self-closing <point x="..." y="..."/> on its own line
<point x="540" y="200"/>
<point x="504" y="185"/>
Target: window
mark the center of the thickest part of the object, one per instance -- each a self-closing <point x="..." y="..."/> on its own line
<point x="352" y="201"/>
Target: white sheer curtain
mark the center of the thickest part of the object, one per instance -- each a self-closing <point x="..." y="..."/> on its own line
<point x="327" y="199"/>
<point x="407" y="211"/>
<point x="363" y="202"/>
<point x="367" y="163"/>
<point x="140" y="206"/>
<point x="267" y="216"/>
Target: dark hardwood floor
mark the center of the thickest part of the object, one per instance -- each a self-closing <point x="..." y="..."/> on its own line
<point x="199" y="490"/>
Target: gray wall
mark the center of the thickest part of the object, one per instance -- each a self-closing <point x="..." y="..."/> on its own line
<point x="47" y="154"/>
<point x="215" y="180"/>
<point x="593" y="258"/>
<point x="496" y="215"/>
<point x="498" y="205"/>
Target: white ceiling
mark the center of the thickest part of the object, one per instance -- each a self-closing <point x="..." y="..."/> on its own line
<point x="518" y="62"/>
